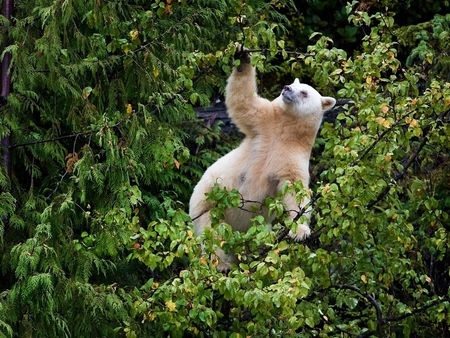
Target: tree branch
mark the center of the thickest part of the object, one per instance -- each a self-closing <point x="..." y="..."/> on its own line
<point x="380" y="319"/>
<point x="49" y="139"/>
<point x="383" y="134"/>
<point x="402" y="173"/>
<point x="6" y="88"/>
<point x="265" y="50"/>
<point x="367" y="296"/>
<point x="413" y="312"/>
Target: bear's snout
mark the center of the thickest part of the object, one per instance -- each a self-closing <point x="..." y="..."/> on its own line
<point x="287" y="94"/>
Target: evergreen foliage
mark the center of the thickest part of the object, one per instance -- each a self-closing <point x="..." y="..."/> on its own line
<point x="106" y="148"/>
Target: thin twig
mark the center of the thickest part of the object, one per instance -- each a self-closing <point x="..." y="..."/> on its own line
<point x="49" y="140"/>
<point x="383" y="134"/>
<point x="58" y="184"/>
<point x="264" y="50"/>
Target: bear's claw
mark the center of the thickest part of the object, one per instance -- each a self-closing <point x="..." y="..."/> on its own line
<point x="243" y="54"/>
<point x="303" y="231"/>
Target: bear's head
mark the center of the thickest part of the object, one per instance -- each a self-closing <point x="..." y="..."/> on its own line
<point x="304" y="100"/>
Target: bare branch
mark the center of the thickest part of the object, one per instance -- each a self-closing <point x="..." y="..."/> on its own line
<point x="49" y="140"/>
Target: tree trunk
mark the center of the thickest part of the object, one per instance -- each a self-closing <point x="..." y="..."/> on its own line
<point x="6" y="88"/>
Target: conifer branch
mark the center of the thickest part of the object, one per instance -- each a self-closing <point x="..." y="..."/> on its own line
<point x="117" y="124"/>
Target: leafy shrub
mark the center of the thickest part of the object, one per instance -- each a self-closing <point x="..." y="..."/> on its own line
<point x="95" y="240"/>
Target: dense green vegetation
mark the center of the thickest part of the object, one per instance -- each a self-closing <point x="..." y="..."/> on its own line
<point x="101" y="149"/>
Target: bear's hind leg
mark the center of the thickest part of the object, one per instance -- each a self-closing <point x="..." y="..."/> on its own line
<point x="202" y="223"/>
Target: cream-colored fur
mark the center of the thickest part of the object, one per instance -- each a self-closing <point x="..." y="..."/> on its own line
<point x="279" y="136"/>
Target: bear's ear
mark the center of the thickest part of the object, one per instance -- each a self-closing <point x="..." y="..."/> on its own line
<point x="327" y="103"/>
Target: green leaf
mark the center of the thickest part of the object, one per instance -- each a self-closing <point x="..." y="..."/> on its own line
<point x="309" y="321"/>
<point x="351" y="302"/>
<point x="193" y="98"/>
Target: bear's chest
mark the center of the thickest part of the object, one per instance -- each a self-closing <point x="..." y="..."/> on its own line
<point x="259" y="176"/>
<point x="257" y="186"/>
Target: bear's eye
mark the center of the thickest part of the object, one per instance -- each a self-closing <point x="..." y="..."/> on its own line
<point x="303" y="93"/>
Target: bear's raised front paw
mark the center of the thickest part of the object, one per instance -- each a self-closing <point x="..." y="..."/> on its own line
<point x="243" y="54"/>
<point x="302" y="232"/>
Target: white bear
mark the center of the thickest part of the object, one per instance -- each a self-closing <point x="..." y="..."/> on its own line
<point x="279" y="136"/>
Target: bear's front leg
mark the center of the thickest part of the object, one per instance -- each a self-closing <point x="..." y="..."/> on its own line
<point x="244" y="55"/>
<point x="303" y="231"/>
<point x="241" y="99"/>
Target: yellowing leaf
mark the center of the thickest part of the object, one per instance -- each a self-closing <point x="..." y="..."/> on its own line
<point x="369" y="80"/>
<point x="134" y="34"/>
<point x="155" y="72"/>
<point x="177" y="164"/>
<point x="385" y="109"/>
<point x="385" y="123"/>
<point x="413" y="123"/>
<point x="129" y="108"/>
<point x="171" y="306"/>
<point x="364" y="278"/>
